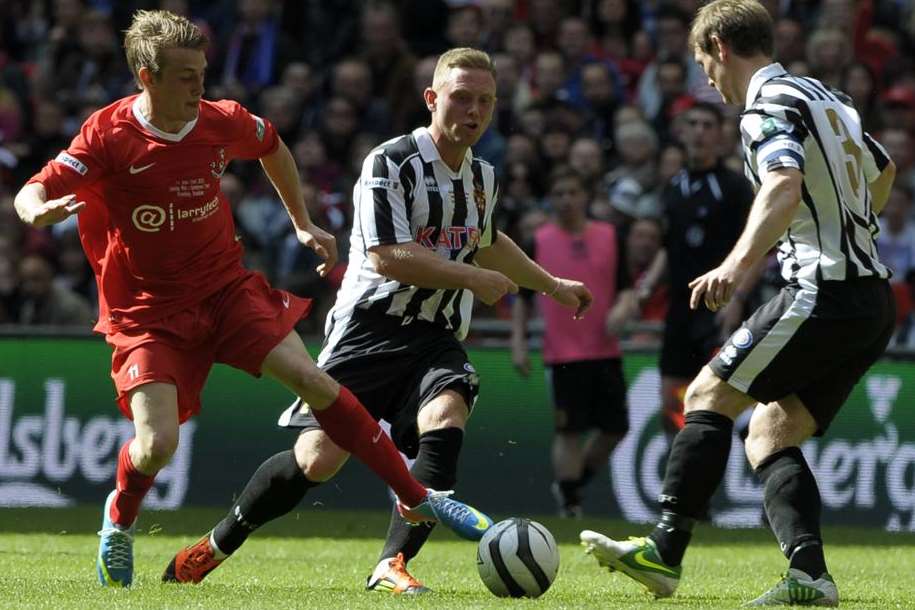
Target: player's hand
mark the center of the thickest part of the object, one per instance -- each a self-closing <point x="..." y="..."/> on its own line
<point x="716" y="287"/>
<point x="323" y="243"/>
<point x="574" y="295"/>
<point x="55" y="210"/>
<point x="489" y="286"/>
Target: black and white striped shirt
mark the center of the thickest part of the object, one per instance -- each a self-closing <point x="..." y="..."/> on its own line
<point x="798" y="122"/>
<point x="407" y="193"/>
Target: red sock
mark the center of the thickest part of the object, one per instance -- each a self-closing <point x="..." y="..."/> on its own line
<point x="132" y="486"/>
<point x="349" y="425"/>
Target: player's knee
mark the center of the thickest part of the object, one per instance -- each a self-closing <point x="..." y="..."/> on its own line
<point x="317" y="465"/>
<point x="699" y="394"/>
<point x="315" y="386"/>
<point x="155" y="450"/>
<point x="760" y="443"/>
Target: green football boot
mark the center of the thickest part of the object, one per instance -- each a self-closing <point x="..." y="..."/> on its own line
<point x="637" y="558"/>
<point x="797" y="588"/>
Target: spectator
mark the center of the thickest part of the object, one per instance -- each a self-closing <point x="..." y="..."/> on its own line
<point x="896" y="240"/>
<point x="860" y="83"/>
<point x="386" y="53"/>
<point x="257" y="49"/>
<point x="898" y="143"/>
<point x="43" y="301"/>
<point x="828" y="53"/>
<point x="673" y="27"/>
<point x="352" y="80"/>
<point x="9" y="291"/>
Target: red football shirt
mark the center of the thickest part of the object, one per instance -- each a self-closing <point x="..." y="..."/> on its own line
<point x="157" y="230"/>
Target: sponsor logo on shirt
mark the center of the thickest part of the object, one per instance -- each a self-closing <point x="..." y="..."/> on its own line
<point x="150" y="218"/>
<point x="72" y="162"/>
<point x="431" y="184"/>
<point x="449" y="238"/>
<point x="380" y="183"/>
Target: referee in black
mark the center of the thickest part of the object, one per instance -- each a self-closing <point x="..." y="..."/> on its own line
<point x="821" y="182"/>
<point x="705" y="207"/>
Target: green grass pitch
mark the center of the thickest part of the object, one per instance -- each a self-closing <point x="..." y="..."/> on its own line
<point x="318" y="559"/>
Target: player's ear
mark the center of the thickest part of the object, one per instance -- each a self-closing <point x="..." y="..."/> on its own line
<point x="719" y="49"/>
<point x="145" y="76"/>
<point x="430" y="96"/>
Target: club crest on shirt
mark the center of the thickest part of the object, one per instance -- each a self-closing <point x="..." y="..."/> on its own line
<point x="218" y="167"/>
<point x="479" y="198"/>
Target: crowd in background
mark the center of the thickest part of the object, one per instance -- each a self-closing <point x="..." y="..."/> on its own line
<point x="600" y="85"/>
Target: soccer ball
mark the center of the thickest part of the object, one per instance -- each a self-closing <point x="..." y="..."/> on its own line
<point x="518" y="558"/>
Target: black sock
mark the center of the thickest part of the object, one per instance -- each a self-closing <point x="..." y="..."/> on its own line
<point x="587" y="473"/>
<point x="672" y="535"/>
<point x="792" y="501"/>
<point x="276" y="488"/>
<point x="435" y="467"/>
<point x="569" y="492"/>
<point x="695" y="467"/>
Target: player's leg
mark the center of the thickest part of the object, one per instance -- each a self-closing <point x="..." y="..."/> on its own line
<point x="568" y="384"/>
<point x="792" y="501"/>
<point x="276" y="488"/>
<point x="154" y="407"/>
<point x="440" y="425"/>
<point x="695" y="468"/>
<point x="608" y="417"/>
<point x="342" y="416"/>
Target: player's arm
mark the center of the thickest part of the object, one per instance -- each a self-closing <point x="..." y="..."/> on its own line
<point x="411" y="263"/>
<point x="34" y="207"/>
<point x="773" y="210"/>
<point x="281" y="169"/>
<point x="506" y="257"/>
<point x="881" y="187"/>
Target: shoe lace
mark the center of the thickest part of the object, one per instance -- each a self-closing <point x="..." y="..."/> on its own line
<point x="447" y="509"/>
<point x="118" y="547"/>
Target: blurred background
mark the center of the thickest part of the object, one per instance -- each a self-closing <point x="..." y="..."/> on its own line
<point x="601" y="85"/>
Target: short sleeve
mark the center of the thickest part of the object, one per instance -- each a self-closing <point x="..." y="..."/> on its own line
<point x="774" y="133"/>
<point x="253" y="136"/>
<point x="83" y="163"/>
<point x="874" y="158"/>
<point x="380" y="203"/>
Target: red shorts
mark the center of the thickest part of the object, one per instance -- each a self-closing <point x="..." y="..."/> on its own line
<point x="238" y="325"/>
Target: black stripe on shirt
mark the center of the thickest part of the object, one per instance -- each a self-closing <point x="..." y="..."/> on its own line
<point x="384" y="219"/>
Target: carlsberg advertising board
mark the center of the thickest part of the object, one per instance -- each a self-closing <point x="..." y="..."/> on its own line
<point x="60" y="432"/>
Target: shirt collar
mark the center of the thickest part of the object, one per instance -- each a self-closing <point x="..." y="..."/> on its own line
<point x="761" y="76"/>
<point x="164" y="135"/>
<point x="428" y="150"/>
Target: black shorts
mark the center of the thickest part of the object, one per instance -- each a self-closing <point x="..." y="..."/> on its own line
<point x="589" y="394"/>
<point x="690" y="339"/>
<point x="395" y="371"/>
<point x="815" y="344"/>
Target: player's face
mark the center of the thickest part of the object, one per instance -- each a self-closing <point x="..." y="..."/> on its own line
<point x="463" y="105"/>
<point x="717" y="75"/>
<point x="178" y="88"/>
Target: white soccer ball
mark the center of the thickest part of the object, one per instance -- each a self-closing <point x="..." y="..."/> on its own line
<point x="518" y="558"/>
